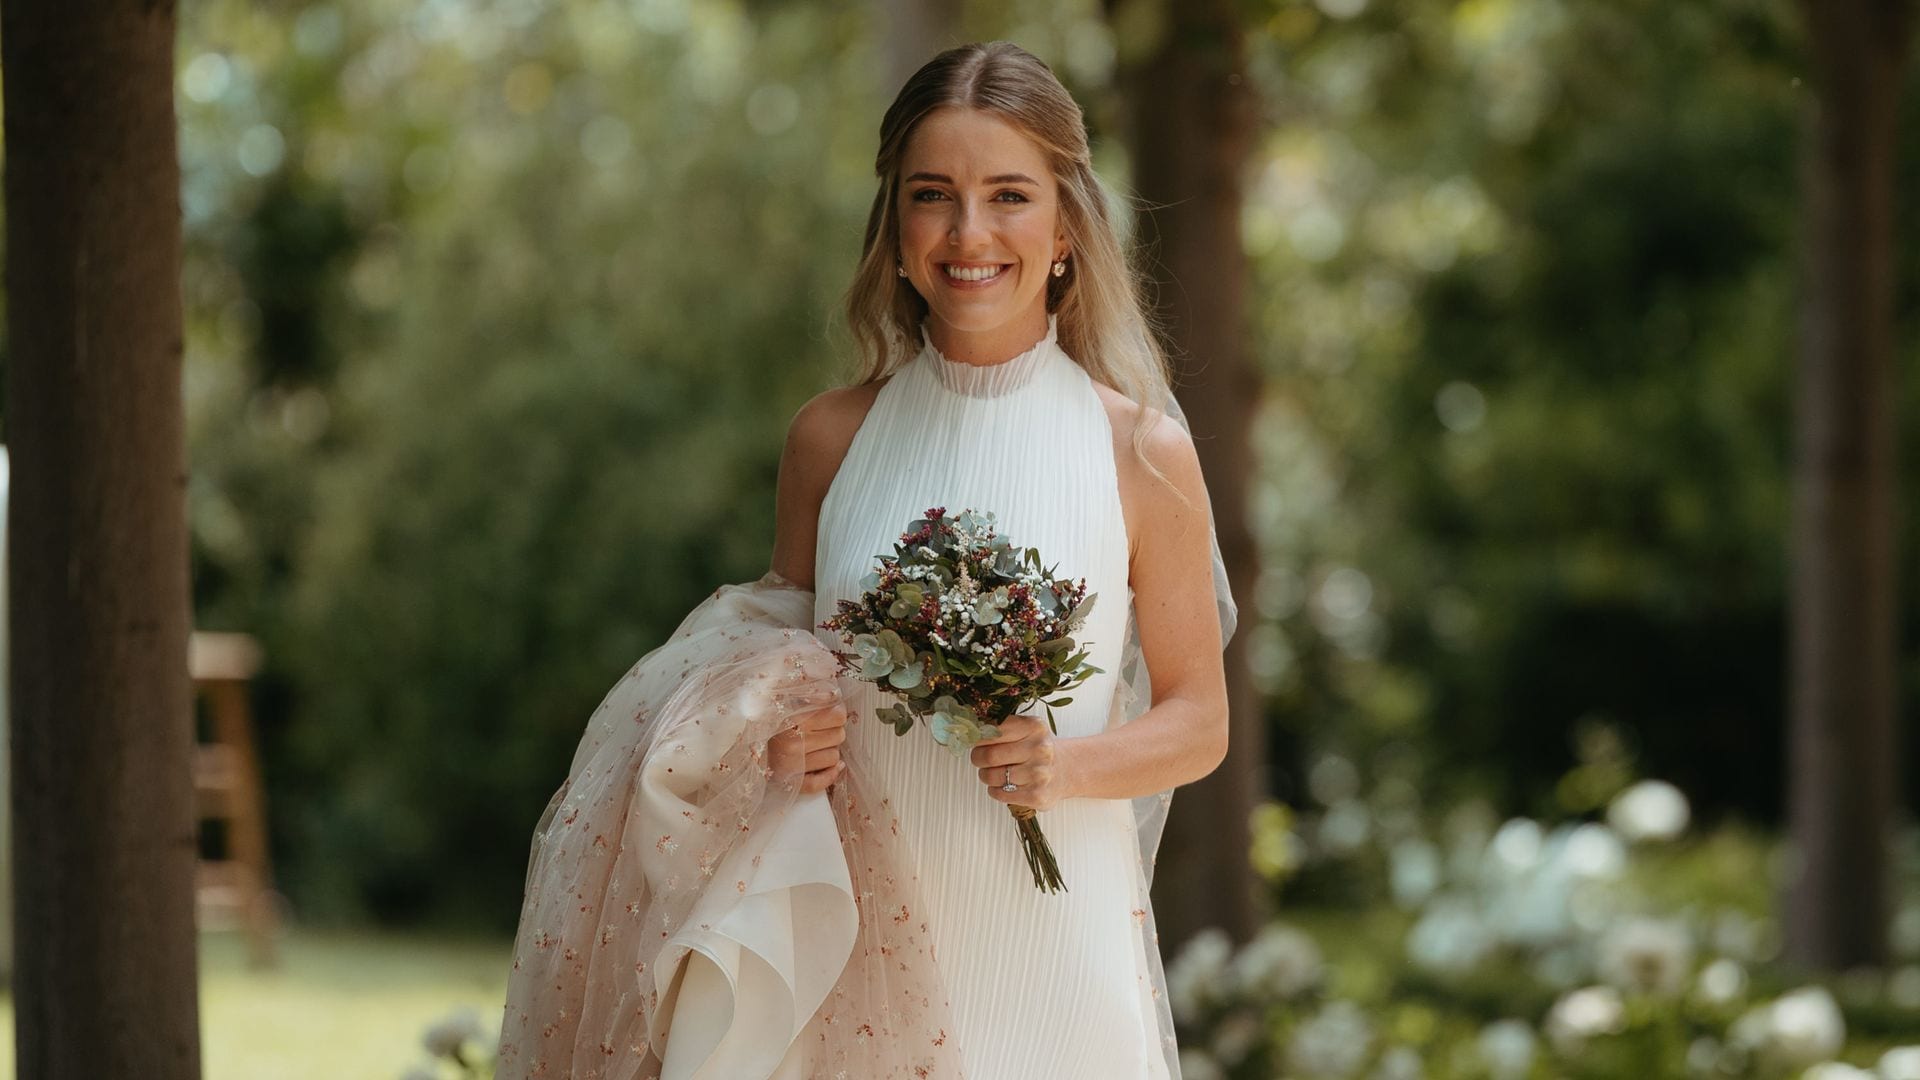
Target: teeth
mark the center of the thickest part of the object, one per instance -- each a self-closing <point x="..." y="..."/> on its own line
<point x="973" y="273"/>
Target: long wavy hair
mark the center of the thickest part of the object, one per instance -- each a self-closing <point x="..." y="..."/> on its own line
<point x="1105" y="323"/>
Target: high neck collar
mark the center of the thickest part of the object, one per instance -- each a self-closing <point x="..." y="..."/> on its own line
<point x="990" y="380"/>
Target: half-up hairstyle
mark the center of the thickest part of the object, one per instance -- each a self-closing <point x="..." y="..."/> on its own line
<point x="1103" y="321"/>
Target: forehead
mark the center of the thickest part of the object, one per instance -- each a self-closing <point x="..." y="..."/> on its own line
<point x="968" y="144"/>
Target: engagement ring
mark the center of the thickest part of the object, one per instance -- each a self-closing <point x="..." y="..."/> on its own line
<point x="1009" y="785"/>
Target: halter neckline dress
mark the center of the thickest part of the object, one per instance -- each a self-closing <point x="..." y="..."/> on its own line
<point x="1042" y="986"/>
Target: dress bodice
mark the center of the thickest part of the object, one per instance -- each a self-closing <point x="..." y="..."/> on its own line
<point x="1028" y="439"/>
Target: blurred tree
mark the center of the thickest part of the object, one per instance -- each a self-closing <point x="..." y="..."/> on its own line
<point x="1842" y="777"/>
<point x="916" y="30"/>
<point x="103" y="826"/>
<point x="584" y="292"/>
<point x="1192" y="121"/>
<point x="1525" y="292"/>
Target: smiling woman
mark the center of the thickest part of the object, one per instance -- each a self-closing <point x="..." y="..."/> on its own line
<point x="979" y="248"/>
<point x="1008" y="366"/>
<point x="685" y="915"/>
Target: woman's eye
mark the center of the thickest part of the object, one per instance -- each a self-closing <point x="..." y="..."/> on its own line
<point x="928" y="194"/>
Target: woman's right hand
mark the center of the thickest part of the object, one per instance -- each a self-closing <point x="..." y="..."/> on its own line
<point x="811" y="749"/>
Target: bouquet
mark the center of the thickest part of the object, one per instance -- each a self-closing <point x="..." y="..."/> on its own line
<point x="966" y="630"/>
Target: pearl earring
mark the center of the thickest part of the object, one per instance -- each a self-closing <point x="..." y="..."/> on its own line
<point x="1060" y="268"/>
<point x="900" y="269"/>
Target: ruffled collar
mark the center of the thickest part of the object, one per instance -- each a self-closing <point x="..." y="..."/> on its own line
<point x="990" y="380"/>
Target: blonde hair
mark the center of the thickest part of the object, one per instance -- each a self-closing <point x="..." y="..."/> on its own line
<point x="1104" y="322"/>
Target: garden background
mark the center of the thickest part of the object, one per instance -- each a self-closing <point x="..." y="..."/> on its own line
<point x="496" y="312"/>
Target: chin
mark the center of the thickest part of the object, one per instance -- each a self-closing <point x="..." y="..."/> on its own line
<point x="974" y="317"/>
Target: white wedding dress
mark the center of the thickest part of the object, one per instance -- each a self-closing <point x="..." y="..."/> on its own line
<point x="689" y="915"/>
<point x="1042" y="986"/>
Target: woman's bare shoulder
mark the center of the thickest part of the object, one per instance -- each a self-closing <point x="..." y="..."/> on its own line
<point x="817" y="441"/>
<point x="823" y="428"/>
<point x="1167" y="443"/>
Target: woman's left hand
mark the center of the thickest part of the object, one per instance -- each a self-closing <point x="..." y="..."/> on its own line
<point x="1033" y="751"/>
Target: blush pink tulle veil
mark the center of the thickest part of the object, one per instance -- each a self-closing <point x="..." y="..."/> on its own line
<point x="672" y="841"/>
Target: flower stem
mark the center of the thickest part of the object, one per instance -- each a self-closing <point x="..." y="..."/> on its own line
<point x="1046" y="871"/>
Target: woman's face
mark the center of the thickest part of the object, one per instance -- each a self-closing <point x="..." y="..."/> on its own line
<point x="980" y="229"/>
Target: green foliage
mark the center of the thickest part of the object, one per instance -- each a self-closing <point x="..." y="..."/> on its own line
<point x="497" y="323"/>
<point x="496" y="318"/>
<point x="1528" y="298"/>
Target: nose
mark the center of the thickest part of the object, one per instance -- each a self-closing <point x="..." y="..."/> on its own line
<point x="966" y="231"/>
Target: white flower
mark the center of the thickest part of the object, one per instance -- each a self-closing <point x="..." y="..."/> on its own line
<point x="1507" y="1046"/>
<point x="1836" y="1070"/>
<point x="1196" y="1065"/>
<point x="1800" y="1029"/>
<point x="1903" y="987"/>
<point x="1280" y="962"/>
<point x="1647" y="955"/>
<point x="1649" y="810"/>
<point x="1737" y="934"/>
<point x="1413" y="871"/>
<point x="1197" y="973"/>
<point x="1752" y="1028"/>
<point x="1345" y="827"/>
<point x="452" y="1031"/>
<point x="1333" y="779"/>
<point x="1399" y="1063"/>
<point x="1703" y="1055"/>
<point x="1899" y="1063"/>
<point x="1560" y="967"/>
<point x="1516" y="847"/>
<point x="1582" y="1014"/>
<point x="1333" y="1042"/>
<point x="1449" y="939"/>
<point x="1906" y="929"/>
<point x="1236" y="1035"/>
<point x="1721" y="982"/>
<point x="1591" y="850"/>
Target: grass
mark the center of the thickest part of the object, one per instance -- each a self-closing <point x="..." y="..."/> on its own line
<point x="340" y="1004"/>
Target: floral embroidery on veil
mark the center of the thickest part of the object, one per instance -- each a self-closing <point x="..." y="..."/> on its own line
<point x="672" y="842"/>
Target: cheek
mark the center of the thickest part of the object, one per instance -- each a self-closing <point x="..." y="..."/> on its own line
<point x="918" y="230"/>
<point x="1036" y="238"/>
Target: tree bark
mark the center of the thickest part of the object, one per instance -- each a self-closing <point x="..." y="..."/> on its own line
<point x="1191" y="120"/>
<point x="916" y="30"/>
<point x="103" y="829"/>
<point x="1841" y="754"/>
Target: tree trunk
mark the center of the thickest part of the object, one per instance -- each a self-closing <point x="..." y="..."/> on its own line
<point x="916" y="30"/>
<point x="1841" y="751"/>
<point x="1192" y="119"/>
<point x="103" y="829"/>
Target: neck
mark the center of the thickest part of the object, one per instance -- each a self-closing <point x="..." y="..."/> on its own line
<point x="984" y="348"/>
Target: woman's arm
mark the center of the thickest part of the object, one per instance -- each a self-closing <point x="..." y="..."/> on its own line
<point x="817" y="441"/>
<point x="1182" y="736"/>
<point x="801" y="485"/>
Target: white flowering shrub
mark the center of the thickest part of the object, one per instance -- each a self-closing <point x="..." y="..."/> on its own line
<point x="458" y="1045"/>
<point x="1418" y="945"/>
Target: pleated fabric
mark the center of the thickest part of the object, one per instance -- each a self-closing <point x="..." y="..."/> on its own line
<point x="1043" y="986"/>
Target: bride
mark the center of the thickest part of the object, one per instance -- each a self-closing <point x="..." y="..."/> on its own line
<point x="745" y="874"/>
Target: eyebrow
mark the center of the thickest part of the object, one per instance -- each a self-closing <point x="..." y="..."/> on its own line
<point x="1003" y="178"/>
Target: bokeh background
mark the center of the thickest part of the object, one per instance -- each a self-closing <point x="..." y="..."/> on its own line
<point x="497" y="312"/>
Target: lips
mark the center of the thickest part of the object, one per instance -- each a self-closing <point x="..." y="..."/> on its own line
<point x="973" y="275"/>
